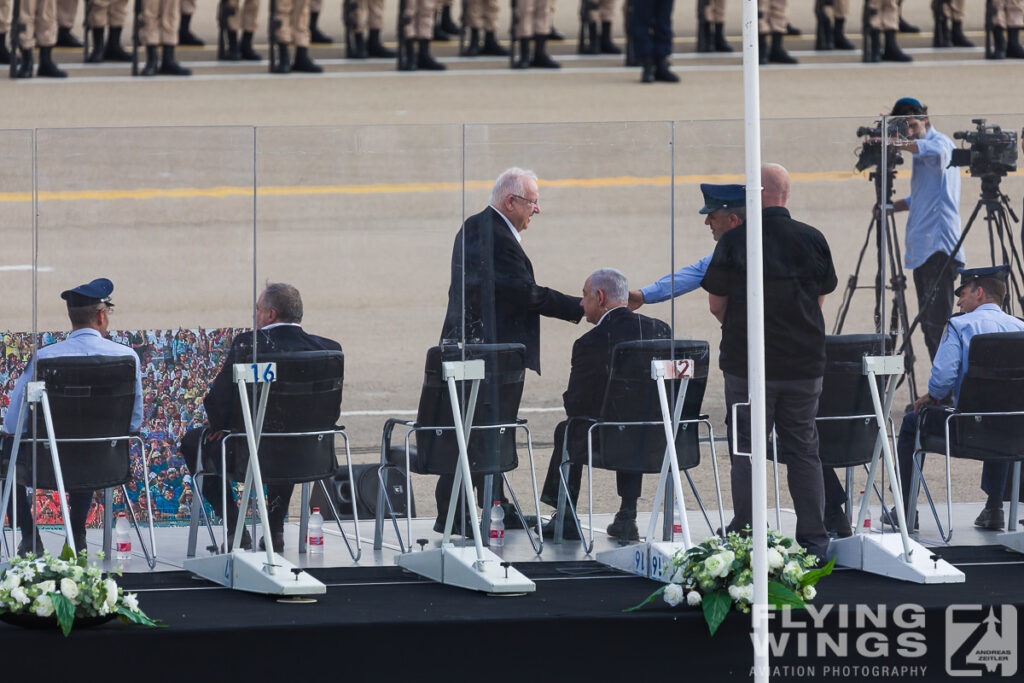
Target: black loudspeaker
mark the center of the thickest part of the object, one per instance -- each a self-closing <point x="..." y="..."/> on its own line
<point x="366" y="486"/>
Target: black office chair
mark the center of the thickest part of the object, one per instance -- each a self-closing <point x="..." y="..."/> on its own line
<point x="987" y="423"/>
<point x="629" y="435"/>
<point x="297" y="441"/>
<point x="491" y="441"/>
<point x="91" y="400"/>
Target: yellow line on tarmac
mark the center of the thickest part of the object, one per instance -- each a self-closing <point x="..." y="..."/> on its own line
<point x="223" y="191"/>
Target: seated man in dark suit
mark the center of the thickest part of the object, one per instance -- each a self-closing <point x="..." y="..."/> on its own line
<point x="605" y="296"/>
<point x="278" y="318"/>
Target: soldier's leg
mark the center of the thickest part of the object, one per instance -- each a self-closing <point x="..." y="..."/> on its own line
<point x="249" y="23"/>
<point x="606" y="10"/>
<point x="185" y="35"/>
<point x="6" y="7"/>
<point x="777" y="22"/>
<point x="715" y="14"/>
<point x="541" y="31"/>
<point x="490" y="27"/>
<point x="474" y="21"/>
<point x="447" y="24"/>
<point x="956" y="15"/>
<point x="300" y="21"/>
<point x="840" y="11"/>
<point x="375" y="21"/>
<point x="1014" y="23"/>
<point x="169" y="18"/>
<point x="66" y="11"/>
<point x="888" y="20"/>
<point x="424" y="28"/>
<point x="27" y="38"/>
<point x="524" y="31"/>
<point x="117" y="19"/>
<point x="97" y="20"/>
<point x="315" y="34"/>
<point x="46" y="37"/>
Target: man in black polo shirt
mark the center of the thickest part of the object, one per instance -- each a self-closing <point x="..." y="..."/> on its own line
<point x="798" y="273"/>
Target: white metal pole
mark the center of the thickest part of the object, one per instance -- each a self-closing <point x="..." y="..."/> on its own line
<point x="755" y="338"/>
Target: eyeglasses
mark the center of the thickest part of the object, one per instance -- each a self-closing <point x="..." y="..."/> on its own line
<point x="530" y="201"/>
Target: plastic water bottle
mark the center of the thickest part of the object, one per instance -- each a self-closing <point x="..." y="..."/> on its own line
<point x="122" y="538"/>
<point x="316" y="533"/>
<point x="497" y="525"/>
<point x="867" y="516"/>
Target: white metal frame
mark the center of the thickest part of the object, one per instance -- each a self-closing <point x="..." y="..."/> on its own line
<point x="35" y="393"/>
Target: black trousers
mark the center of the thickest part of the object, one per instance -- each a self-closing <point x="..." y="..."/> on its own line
<point x="79" y="502"/>
<point x="934" y="318"/>
<point x="627" y="484"/>
<point x="278" y="495"/>
<point x="651" y="28"/>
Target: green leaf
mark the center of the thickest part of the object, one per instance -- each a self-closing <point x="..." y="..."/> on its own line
<point x="781" y="596"/>
<point x="649" y="600"/>
<point x="140" y="618"/>
<point x="716" y="605"/>
<point x="812" y="577"/>
<point x="65" y="612"/>
<point x="66" y="554"/>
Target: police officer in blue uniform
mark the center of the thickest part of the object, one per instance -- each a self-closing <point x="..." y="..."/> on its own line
<point x="979" y="297"/>
<point x="89" y="309"/>
<point x="724" y="208"/>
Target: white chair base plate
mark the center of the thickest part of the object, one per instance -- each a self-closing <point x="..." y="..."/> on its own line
<point x="245" y="571"/>
<point x="1014" y="540"/>
<point x="457" y="566"/>
<point x="882" y="554"/>
<point x="651" y="560"/>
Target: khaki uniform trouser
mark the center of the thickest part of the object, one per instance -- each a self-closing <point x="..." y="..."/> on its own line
<point x="6" y="6"/>
<point x="40" y="20"/>
<point x="1009" y="13"/>
<point x="840" y="9"/>
<point x="773" y="15"/>
<point x="419" y="19"/>
<point x="369" y="14"/>
<point x="885" y="15"/>
<point x="533" y="18"/>
<point x="66" y="11"/>
<point x="293" y="16"/>
<point x="954" y="10"/>
<point x="482" y="15"/>
<point x="714" y="12"/>
<point x="103" y="13"/>
<point x="603" y="12"/>
<point x="159" y="22"/>
<point x="247" y="19"/>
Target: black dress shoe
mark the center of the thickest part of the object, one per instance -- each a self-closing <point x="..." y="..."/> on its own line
<point x="569" y="531"/>
<point x="893" y="521"/>
<point x="25" y="546"/>
<point x="663" y="73"/>
<point x="991" y="519"/>
<point x="623" y="527"/>
<point x="276" y="537"/>
<point x="837" y="524"/>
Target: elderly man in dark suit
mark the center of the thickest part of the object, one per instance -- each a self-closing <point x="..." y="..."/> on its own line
<point x="278" y="322"/>
<point x="605" y="297"/>
<point x="493" y="297"/>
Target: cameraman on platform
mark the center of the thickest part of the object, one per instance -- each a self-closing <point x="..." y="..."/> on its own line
<point x="933" y="227"/>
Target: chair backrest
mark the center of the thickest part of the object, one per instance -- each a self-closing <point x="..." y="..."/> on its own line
<point x="994" y="383"/>
<point x="490" y="450"/>
<point x="632" y="396"/>
<point x="845" y="391"/>
<point x="304" y="397"/>
<point x="90" y="397"/>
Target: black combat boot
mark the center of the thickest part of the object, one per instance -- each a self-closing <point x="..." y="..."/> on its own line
<point x="524" y="55"/>
<point x="185" y="35"/>
<point x="47" y="69"/>
<point x="473" y="48"/>
<point x="231" y="53"/>
<point x="67" y="39"/>
<point x="152" y="61"/>
<point x="874" y="50"/>
<point x="284" y="61"/>
<point x="778" y="54"/>
<point x="892" y="52"/>
<point x="375" y="48"/>
<point x="1013" y="48"/>
<point x="958" y="37"/>
<point x="170" y="67"/>
<point x="24" y="64"/>
<point x="998" y="44"/>
<point x="541" y="59"/>
<point x="720" y="43"/>
<point x="662" y="72"/>
<point x="245" y="50"/>
<point x="113" y="52"/>
<point x="447" y="25"/>
<point x="5" y="54"/>
<point x="647" y="75"/>
<point x="96" y="53"/>
<point x="608" y="47"/>
<point x="424" y="60"/>
<point x="824" y="37"/>
<point x="315" y="34"/>
<point x="839" y="39"/>
<point x="591" y="46"/>
<point x="304" y="63"/>
<point x="492" y="46"/>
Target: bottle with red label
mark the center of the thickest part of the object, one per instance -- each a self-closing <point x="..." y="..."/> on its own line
<point x="315" y="545"/>
<point x="497" y="525"/>
<point x="867" y="515"/>
<point x="122" y="538"/>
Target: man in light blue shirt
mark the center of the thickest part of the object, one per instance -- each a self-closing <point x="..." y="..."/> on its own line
<point x="979" y="298"/>
<point x="933" y="226"/>
<point x="724" y="208"/>
<point x="89" y="308"/>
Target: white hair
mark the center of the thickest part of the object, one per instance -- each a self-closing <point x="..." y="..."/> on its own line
<point x="512" y="181"/>
<point x="612" y="282"/>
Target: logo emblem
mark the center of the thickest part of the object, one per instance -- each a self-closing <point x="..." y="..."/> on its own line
<point x="981" y="640"/>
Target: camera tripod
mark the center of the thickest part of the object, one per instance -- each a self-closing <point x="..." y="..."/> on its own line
<point x="898" y="317"/>
<point x="997" y="218"/>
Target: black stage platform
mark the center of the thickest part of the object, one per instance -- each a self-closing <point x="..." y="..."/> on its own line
<point x="385" y="623"/>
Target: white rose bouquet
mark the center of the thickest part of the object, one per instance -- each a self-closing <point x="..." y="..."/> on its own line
<point x="64" y="588"/>
<point x="717" y="575"/>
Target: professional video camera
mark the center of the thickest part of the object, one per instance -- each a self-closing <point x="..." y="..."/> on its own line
<point x="992" y="151"/>
<point x="870" y="153"/>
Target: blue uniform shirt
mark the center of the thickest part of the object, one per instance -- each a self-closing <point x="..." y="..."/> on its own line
<point x="83" y="342"/>
<point x="934" y="201"/>
<point x="687" y="279"/>
<point x="950" y="364"/>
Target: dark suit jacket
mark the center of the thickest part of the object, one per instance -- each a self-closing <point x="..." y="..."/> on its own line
<point x="592" y="358"/>
<point x="219" y="401"/>
<point x="503" y="303"/>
